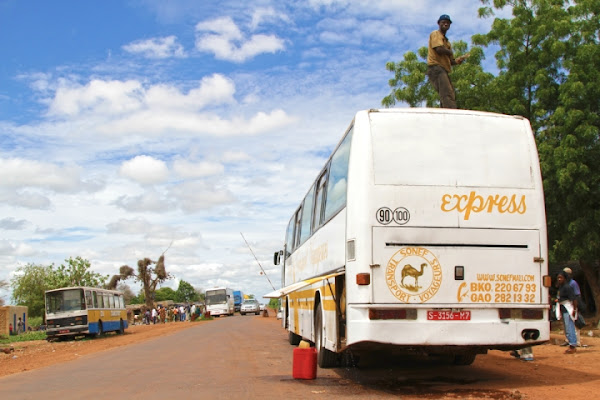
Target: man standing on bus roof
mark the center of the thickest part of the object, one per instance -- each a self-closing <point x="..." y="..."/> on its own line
<point x="439" y="61"/>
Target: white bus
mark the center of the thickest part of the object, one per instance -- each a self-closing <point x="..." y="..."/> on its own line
<point x="80" y="310"/>
<point x="219" y="301"/>
<point x="424" y="231"/>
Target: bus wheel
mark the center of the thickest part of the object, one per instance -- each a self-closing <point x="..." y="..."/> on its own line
<point x="464" y="359"/>
<point x="325" y="358"/>
<point x="294" y="339"/>
<point x="121" y="328"/>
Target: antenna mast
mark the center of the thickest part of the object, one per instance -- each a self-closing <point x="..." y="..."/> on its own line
<point x="261" y="268"/>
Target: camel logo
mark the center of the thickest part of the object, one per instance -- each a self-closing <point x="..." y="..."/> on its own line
<point x="411" y="284"/>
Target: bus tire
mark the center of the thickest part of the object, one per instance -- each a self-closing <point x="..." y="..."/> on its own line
<point x="464" y="359"/>
<point x="325" y="358"/>
<point x="294" y="339"/>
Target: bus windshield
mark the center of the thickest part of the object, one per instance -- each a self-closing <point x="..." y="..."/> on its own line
<point x="216" y="297"/>
<point x="65" y="300"/>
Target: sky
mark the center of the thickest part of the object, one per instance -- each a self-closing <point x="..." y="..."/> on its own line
<point x="133" y="127"/>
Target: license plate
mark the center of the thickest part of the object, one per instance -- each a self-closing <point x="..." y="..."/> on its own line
<point x="439" y="315"/>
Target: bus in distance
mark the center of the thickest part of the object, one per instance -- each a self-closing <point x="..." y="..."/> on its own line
<point x="76" y="311"/>
<point x="219" y="301"/>
<point x="424" y="231"/>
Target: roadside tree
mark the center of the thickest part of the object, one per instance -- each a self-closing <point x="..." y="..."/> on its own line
<point x="148" y="276"/>
<point x="32" y="280"/>
<point x="186" y="293"/>
<point x="3" y="285"/>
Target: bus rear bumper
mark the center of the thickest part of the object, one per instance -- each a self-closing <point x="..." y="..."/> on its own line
<point x="484" y="330"/>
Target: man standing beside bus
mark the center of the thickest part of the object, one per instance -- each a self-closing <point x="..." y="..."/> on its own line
<point x="440" y="60"/>
<point x="568" y="310"/>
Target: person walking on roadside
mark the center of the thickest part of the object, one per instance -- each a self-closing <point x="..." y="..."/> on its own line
<point x="580" y="304"/>
<point x="440" y="59"/>
<point x="567" y="310"/>
<point x="163" y="315"/>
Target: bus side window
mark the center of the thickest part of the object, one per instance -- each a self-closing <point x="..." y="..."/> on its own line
<point x="307" y="206"/>
<point x="95" y="299"/>
<point x="111" y="301"/>
<point x="338" y="178"/>
<point x="289" y="238"/>
<point x="106" y="301"/>
<point x="88" y="299"/>
<point x="121" y="301"/>
<point x="319" y="199"/>
<point x="297" y="227"/>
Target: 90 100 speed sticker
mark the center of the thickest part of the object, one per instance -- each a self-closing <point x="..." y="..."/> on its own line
<point x="385" y="216"/>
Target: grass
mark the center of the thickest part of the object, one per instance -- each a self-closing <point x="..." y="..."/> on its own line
<point x="23" y="337"/>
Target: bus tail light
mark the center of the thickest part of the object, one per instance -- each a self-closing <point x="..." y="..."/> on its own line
<point x="363" y="278"/>
<point x="392" y="314"/>
<point x="547" y="281"/>
<point x="520" y="313"/>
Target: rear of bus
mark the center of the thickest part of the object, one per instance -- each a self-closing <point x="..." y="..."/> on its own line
<point x="451" y="230"/>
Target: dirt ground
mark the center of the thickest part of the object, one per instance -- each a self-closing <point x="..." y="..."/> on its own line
<point x="552" y="374"/>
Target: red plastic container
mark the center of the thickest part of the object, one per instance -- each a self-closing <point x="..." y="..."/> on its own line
<point x="305" y="363"/>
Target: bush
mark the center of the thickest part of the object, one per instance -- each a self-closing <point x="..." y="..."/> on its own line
<point x="34" y="322"/>
<point x="24" y="337"/>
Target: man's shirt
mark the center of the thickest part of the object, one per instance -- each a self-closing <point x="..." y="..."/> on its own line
<point x="437" y="39"/>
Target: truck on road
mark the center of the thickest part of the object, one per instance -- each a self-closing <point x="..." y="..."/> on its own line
<point x="238" y="299"/>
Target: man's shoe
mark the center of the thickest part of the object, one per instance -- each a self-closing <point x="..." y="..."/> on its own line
<point x="570" y="350"/>
<point x="515" y="354"/>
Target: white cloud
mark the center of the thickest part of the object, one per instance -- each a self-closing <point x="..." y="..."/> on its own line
<point x="98" y="96"/>
<point x="122" y="109"/>
<point x="214" y="89"/>
<point x="26" y="199"/>
<point x="162" y="47"/>
<point x="8" y="248"/>
<point x="19" y="173"/>
<point x="262" y="14"/>
<point x="223" y="38"/>
<point x="145" y="170"/>
<point x="13" y="224"/>
<point x="235" y="156"/>
<point x="195" y="196"/>
<point x="187" y="169"/>
<point x="133" y="226"/>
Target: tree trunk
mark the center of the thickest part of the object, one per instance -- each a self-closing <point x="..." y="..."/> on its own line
<point x="591" y="276"/>
<point x="148" y="295"/>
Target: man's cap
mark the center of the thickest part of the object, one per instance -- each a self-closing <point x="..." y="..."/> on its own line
<point x="568" y="270"/>
<point x="444" y="17"/>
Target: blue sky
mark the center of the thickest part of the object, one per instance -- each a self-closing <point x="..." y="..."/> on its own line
<point x="127" y="127"/>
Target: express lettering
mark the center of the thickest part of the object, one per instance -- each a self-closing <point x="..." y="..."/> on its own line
<point x="474" y="203"/>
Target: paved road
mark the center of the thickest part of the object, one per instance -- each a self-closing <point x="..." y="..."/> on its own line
<point x="249" y="358"/>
